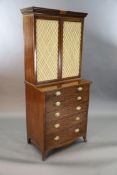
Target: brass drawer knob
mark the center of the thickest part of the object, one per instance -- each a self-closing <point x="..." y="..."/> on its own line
<point x="77" y="118"/>
<point x="57" y="114"/>
<point x="77" y="130"/>
<point x="78" y="108"/>
<point x="58" y="93"/>
<point x="56" y="138"/>
<point x="79" y="98"/>
<point x="58" y="103"/>
<point x="80" y="88"/>
<point x="57" y="125"/>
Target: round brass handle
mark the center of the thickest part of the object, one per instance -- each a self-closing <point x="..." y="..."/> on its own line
<point x="77" y="118"/>
<point x="56" y="138"/>
<point x="58" y="103"/>
<point x="57" y="125"/>
<point x="58" y="93"/>
<point x="79" y="98"/>
<point x="77" y="130"/>
<point x="57" y="114"/>
<point x="80" y="88"/>
<point x="78" y="108"/>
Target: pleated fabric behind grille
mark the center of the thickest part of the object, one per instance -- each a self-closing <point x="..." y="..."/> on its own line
<point x="46" y="49"/>
<point x="71" y="49"/>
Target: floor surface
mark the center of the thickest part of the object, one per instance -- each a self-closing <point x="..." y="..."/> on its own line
<point x="96" y="157"/>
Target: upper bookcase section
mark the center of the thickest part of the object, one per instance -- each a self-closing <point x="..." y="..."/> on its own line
<point x="53" y="42"/>
<point x="54" y="12"/>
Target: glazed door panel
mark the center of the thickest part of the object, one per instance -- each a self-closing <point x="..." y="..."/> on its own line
<point x="46" y="49"/>
<point x="71" y="49"/>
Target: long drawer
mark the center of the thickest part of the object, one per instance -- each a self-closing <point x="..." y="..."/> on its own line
<point x="66" y="109"/>
<point x="60" y="103"/>
<point x="61" y="138"/>
<point x="54" y="124"/>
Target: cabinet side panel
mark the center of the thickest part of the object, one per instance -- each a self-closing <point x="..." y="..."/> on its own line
<point x="35" y="116"/>
<point x="28" y="27"/>
<point x="88" y="109"/>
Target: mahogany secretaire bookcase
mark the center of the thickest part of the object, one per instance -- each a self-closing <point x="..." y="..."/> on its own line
<point x="57" y="97"/>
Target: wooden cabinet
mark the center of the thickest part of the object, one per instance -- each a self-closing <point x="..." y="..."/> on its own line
<point x="57" y="98"/>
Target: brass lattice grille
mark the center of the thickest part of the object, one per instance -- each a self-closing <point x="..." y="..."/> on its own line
<point x="47" y="49"/>
<point x="71" y="49"/>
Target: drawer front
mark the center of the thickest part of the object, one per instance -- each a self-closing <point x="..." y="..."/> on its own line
<point x="66" y="93"/>
<point x="66" y="102"/>
<point x="70" y="108"/>
<point x="67" y="135"/>
<point x="54" y="124"/>
<point x="67" y="97"/>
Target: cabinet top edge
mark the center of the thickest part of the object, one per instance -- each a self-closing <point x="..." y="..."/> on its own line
<point x="59" y="86"/>
<point x="55" y="12"/>
<point x="63" y="85"/>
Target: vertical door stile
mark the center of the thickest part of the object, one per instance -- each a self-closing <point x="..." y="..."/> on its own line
<point x="81" y="47"/>
<point x="60" y="48"/>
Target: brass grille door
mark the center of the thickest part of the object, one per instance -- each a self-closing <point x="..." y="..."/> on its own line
<point x="71" y="49"/>
<point x="46" y="49"/>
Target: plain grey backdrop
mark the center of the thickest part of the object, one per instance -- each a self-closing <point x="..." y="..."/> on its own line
<point x="98" y="156"/>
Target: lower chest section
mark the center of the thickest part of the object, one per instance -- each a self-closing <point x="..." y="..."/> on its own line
<point x="66" y="115"/>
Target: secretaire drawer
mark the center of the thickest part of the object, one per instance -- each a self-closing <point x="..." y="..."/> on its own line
<point x="66" y="93"/>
